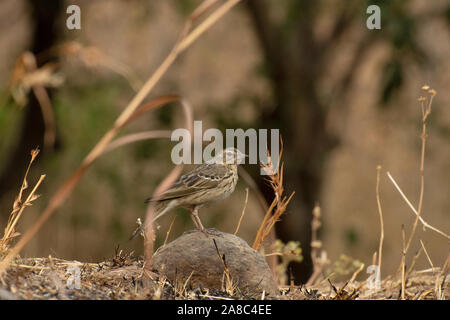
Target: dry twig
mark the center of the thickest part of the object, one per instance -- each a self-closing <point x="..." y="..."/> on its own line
<point x="380" y="212"/>
<point x="243" y="212"/>
<point x="168" y="231"/>
<point x="426" y="253"/>
<point x="403" y="263"/>
<point x="318" y="257"/>
<point x="279" y="203"/>
<point x="424" y="223"/>
<point x="19" y="206"/>
<point x="229" y="288"/>
<point x="26" y="77"/>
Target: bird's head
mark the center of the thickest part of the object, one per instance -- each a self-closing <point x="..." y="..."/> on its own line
<point x="229" y="156"/>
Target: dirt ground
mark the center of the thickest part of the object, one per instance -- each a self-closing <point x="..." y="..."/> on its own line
<point x="122" y="278"/>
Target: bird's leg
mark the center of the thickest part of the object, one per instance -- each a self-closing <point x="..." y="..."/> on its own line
<point x="194" y="220"/>
<point x="198" y="223"/>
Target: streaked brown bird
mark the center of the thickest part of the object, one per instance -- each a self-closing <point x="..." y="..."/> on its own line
<point x="209" y="182"/>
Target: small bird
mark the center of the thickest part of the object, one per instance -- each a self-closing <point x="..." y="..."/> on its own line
<point x="209" y="182"/>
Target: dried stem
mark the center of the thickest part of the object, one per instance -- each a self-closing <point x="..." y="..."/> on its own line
<point x="380" y="212"/>
<point x="254" y="187"/>
<point x="27" y="75"/>
<point x="243" y="212"/>
<point x="425" y="112"/>
<point x="355" y="274"/>
<point x="168" y="231"/>
<point x="403" y="264"/>
<point x="19" y="205"/>
<point x="271" y="260"/>
<point x="134" y="137"/>
<point x="426" y="253"/>
<point x="425" y="105"/>
<point x="444" y="274"/>
<point x="229" y="284"/>
<point x="316" y="245"/>
<point x="413" y="262"/>
<point x="47" y="114"/>
<point x="279" y="203"/>
<point x="425" y="224"/>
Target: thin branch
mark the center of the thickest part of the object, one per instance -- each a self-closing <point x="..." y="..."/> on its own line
<point x="206" y="24"/>
<point x="380" y="212"/>
<point x="27" y="202"/>
<point x="254" y="187"/>
<point x="271" y="260"/>
<point x="279" y="203"/>
<point x="413" y="262"/>
<point x="168" y="231"/>
<point x="403" y="264"/>
<point x="425" y="224"/>
<point x="47" y="114"/>
<point x="37" y="78"/>
<point x="422" y="169"/>
<point x="426" y="253"/>
<point x="229" y="284"/>
<point x="243" y="212"/>
<point x="316" y="245"/>
<point x="355" y="274"/>
<point x="134" y="137"/>
<point x="19" y="205"/>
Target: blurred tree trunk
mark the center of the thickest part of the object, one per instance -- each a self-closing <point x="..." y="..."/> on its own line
<point x="44" y="15"/>
<point x="294" y="67"/>
<point x="298" y="60"/>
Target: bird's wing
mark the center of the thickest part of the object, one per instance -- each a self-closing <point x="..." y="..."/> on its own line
<point x="205" y="176"/>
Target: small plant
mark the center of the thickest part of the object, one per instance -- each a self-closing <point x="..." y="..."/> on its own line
<point x="279" y="203"/>
<point x="19" y="206"/>
<point x="344" y="266"/>
<point x="288" y="252"/>
<point x="426" y="103"/>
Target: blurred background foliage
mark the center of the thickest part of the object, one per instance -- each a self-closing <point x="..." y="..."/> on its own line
<point x="344" y="98"/>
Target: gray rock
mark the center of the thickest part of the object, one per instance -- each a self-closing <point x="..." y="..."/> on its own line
<point x="194" y="252"/>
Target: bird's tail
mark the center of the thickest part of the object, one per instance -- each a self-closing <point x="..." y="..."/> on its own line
<point x="149" y="199"/>
<point x="160" y="209"/>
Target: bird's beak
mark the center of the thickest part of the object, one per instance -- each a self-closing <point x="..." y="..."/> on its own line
<point x="242" y="156"/>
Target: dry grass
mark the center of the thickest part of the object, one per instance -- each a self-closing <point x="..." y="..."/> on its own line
<point x="242" y="213"/>
<point x="279" y="203"/>
<point x="425" y="104"/>
<point x="403" y="282"/>
<point x="26" y="77"/>
<point x="318" y="256"/>
<point x="227" y="285"/>
<point x="19" y="206"/>
<point x="121" y="277"/>
<point x="380" y="212"/>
